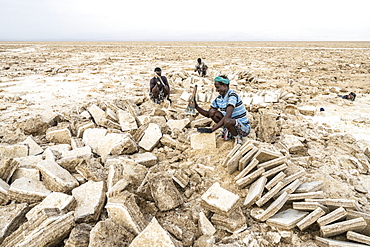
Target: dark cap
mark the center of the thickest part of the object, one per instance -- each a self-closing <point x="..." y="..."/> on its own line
<point x="157" y="69"/>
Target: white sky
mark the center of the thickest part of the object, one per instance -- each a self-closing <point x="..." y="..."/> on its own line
<point x="316" y="20"/>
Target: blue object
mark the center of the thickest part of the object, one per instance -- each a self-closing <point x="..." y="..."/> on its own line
<point x="322" y="109"/>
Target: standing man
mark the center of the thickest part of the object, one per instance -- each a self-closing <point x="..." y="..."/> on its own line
<point x="159" y="87"/>
<point x="227" y="111"/>
<point x="201" y="68"/>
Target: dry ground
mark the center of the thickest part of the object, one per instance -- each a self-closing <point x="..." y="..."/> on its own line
<point x="63" y="76"/>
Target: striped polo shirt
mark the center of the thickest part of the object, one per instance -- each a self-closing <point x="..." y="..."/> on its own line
<point x="231" y="98"/>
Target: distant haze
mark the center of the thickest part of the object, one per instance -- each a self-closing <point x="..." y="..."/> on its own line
<point x="191" y="20"/>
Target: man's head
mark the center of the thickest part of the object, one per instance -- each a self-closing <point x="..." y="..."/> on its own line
<point x="199" y="60"/>
<point x="222" y="84"/>
<point x="158" y="71"/>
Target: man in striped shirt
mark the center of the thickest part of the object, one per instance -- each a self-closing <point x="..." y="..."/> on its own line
<point x="227" y="111"/>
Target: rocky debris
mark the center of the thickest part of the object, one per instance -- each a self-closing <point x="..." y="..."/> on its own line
<point x="8" y="166"/>
<point x="165" y="194"/>
<point x="108" y="233"/>
<point x="46" y="228"/>
<point x="123" y="210"/>
<point x="153" y="235"/>
<point x="12" y="216"/>
<point x="27" y="190"/>
<point x="205" y="226"/>
<point x="59" y="134"/>
<point x="13" y="151"/>
<point x="90" y="199"/>
<point x="55" y="177"/>
<point x="79" y="236"/>
<point x="122" y="171"/>
<point x="61" y="201"/>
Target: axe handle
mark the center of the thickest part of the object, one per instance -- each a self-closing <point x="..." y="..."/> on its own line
<point x="193" y="95"/>
<point x="194" y="91"/>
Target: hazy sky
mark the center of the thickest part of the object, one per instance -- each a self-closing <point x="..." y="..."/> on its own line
<point x="152" y="20"/>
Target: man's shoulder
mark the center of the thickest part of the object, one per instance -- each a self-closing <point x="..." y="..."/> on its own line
<point x="232" y="93"/>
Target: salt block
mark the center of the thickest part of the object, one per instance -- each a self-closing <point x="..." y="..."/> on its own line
<point x="274" y="207"/>
<point x="84" y="126"/>
<point x="178" y="124"/>
<point x="123" y="209"/>
<point x="153" y="235"/>
<point x="90" y="199"/>
<point x="27" y="172"/>
<point x="93" y="136"/>
<point x="266" y="197"/>
<point x="151" y="137"/>
<point x="272" y="163"/>
<point x="34" y="148"/>
<point x="58" y="200"/>
<point x="310" y="186"/>
<point x="246" y="160"/>
<point x="324" y="242"/>
<point x="307" y="110"/>
<point x="55" y="177"/>
<point x="50" y="117"/>
<point x="346" y="203"/>
<point x="219" y="200"/>
<point x="116" y="144"/>
<point x="4" y="187"/>
<point x="185" y="96"/>
<point x="275" y="170"/>
<point x="308" y="206"/>
<point x="255" y="191"/>
<point x="27" y="190"/>
<point x="7" y="168"/>
<point x="12" y="218"/>
<point x="58" y="135"/>
<point x="250" y="178"/>
<point x="203" y="141"/>
<point x="13" y="151"/>
<point x="310" y="219"/>
<point x="126" y="120"/>
<point x="202" y="122"/>
<point x="286" y="219"/>
<point x="146" y="159"/>
<point x="271" y="98"/>
<point x="98" y="114"/>
<point x="343" y="226"/>
<point x="205" y="226"/>
<point x="275" y="180"/>
<point x="308" y="195"/>
<point x="352" y="214"/>
<point x="235" y="221"/>
<point x="264" y="155"/>
<point x="247" y="169"/>
<point x="358" y="237"/>
<point x="338" y="214"/>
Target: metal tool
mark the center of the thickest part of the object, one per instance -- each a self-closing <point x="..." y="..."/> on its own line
<point x="204" y="130"/>
<point x="190" y="109"/>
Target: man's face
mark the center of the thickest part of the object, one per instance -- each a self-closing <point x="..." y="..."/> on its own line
<point x="221" y="88"/>
<point x="158" y="72"/>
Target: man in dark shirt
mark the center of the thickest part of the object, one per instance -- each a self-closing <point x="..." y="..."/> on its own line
<point x="159" y="87"/>
<point x="201" y="68"/>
